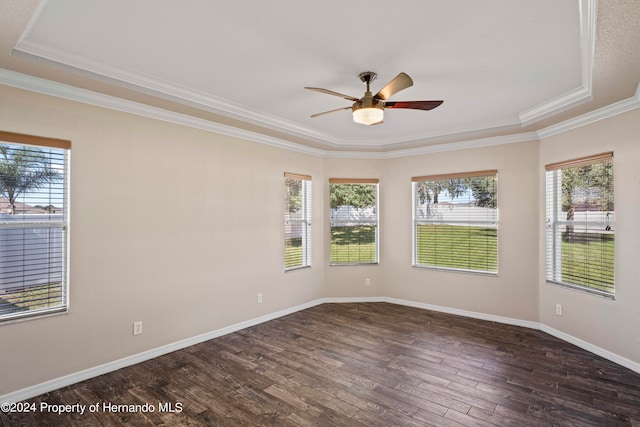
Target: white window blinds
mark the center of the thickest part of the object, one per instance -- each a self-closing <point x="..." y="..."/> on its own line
<point x="580" y="224"/>
<point x="354" y="221"/>
<point x="33" y="225"/>
<point x="297" y="221"/>
<point x="455" y="221"/>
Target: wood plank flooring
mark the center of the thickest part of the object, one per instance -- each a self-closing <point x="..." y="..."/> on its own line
<point x="365" y="364"/>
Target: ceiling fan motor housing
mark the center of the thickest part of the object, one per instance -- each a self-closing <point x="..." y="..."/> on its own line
<point x="367" y="101"/>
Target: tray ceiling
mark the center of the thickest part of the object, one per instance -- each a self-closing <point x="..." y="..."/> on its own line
<point x="502" y="67"/>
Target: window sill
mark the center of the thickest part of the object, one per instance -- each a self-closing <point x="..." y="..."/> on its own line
<point x="355" y="264"/>
<point x="35" y="316"/>
<point x="457" y="270"/>
<point x="584" y="289"/>
<point x="302" y="267"/>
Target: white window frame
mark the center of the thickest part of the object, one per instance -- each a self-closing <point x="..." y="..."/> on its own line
<point x="468" y="219"/>
<point x="335" y="220"/>
<point x="41" y="283"/>
<point x="585" y="224"/>
<point x="298" y="226"/>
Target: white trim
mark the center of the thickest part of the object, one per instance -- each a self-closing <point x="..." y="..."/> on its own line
<point x="465" y="313"/>
<point x="583" y="93"/>
<point x="463" y="145"/>
<point x="72" y="93"/>
<point x="59" y="90"/>
<point x="64" y="381"/>
<point x="57" y="383"/>
<point x="622" y="361"/>
<point x="63" y="91"/>
<point x="556" y="105"/>
<point x="460" y="131"/>
<point x="614" y="109"/>
<point x="157" y="87"/>
<point x="352" y="300"/>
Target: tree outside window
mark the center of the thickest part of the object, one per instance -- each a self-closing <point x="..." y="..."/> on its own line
<point x="354" y="221"/>
<point x="456" y="221"/>
<point x="580" y="230"/>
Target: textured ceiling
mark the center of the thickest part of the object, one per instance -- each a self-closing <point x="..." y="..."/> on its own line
<point x="502" y="67"/>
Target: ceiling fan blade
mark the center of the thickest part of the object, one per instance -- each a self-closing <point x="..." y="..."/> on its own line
<point x="330" y="92"/>
<point x="330" y="111"/>
<point x="400" y="82"/>
<point x="414" y="105"/>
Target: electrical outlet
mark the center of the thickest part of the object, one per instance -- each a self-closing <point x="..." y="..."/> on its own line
<point x="259" y="298"/>
<point x="137" y="328"/>
<point x="367" y="282"/>
<point x="559" y="309"/>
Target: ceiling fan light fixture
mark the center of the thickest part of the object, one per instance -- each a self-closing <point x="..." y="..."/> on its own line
<point x="368" y="115"/>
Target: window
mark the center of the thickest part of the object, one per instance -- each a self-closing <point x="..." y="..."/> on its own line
<point x="297" y="221"/>
<point x="455" y="221"/>
<point x="354" y="221"/>
<point x="33" y="225"/>
<point x="580" y="225"/>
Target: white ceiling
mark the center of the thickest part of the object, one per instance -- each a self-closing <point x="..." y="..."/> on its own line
<point x="499" y="65"/>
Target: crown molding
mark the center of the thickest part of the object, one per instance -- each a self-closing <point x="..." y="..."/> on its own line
<point x="163" y="89"/>
<point x="557" y="105"/>
<point x="437" y="148"/>
<point x="582" y="94"/>
<point x="392" y="144"/>
<point x="186" y="96"/>
<point x="59" y="90"/>
<point x="619" y="107"/>
<point x="464" y="145"/>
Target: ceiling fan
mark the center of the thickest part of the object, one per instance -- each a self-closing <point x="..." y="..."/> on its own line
<point x="369" y="110"/>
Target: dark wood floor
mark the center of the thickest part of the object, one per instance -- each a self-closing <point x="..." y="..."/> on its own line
<point x="370" y="364"/>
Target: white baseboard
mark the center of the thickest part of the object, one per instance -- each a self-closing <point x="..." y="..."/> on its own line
<point x="45" y="387"/>
<point x="465" y="313"/>
<point x="347" y="300"/>
<point x="622" y="361"/>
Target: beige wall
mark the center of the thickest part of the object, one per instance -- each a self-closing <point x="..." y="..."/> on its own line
<point x="513" y="293"/>
<point x="613" y="325"/>
<point x="173" y="226"/>
<point x="181" y="228"/>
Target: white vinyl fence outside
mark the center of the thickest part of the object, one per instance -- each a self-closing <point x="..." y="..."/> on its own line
<point x="31" y="250"/>
<point x="455" y="214"/>
<point x="349" y="216"/>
